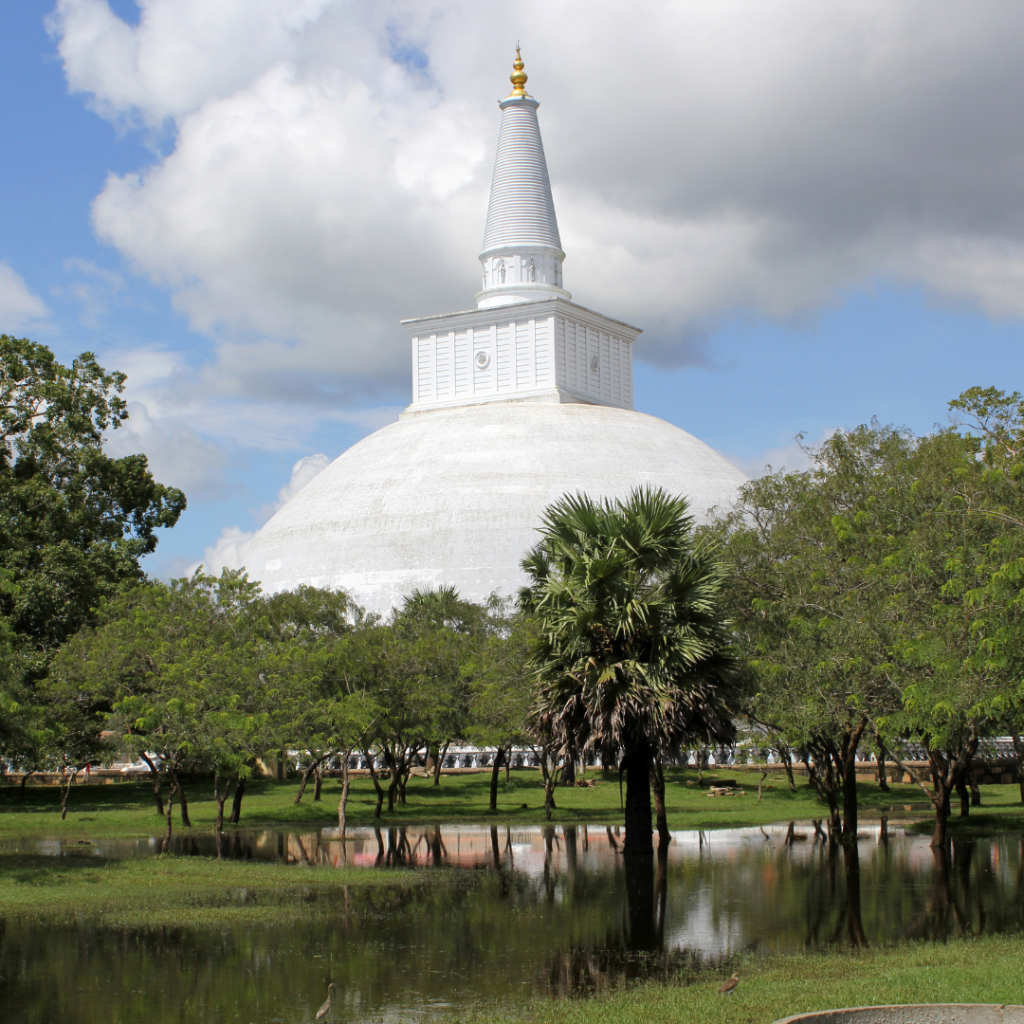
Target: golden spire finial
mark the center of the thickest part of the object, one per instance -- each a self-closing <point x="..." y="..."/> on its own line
<point x="518" y="77"/>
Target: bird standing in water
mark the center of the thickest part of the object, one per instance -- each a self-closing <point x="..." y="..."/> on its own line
<point x="326" y="1008"/>
<point x="726" y="988"/>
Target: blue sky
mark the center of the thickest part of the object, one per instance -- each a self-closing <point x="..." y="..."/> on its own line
<point x="805" y="248"/>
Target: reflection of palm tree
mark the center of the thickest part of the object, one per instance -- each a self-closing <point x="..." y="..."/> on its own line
<point x="633" y="649"/>
<point x="851" y="855"/>
<point x="642" y="934"/>
<point x="661" y="888"/>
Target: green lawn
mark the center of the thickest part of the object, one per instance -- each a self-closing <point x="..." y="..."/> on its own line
<point x="126" y="809"/>
<point x="184" y="891"/>
<point x="986" y="970"/>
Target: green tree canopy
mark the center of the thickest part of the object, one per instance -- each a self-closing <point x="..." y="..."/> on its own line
<point x="857" y="596"/>
<point x="74" y="522"/>
<point x="632" y="645"/>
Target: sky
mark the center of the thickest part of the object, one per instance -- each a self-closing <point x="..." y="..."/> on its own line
<point x="814" y="211"/>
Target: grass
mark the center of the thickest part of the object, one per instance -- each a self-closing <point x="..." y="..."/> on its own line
<point x="984" y="821"/>
<point x="985" y="970"/>
<point x="127" y="809"/>
<point x="185" y="891"/>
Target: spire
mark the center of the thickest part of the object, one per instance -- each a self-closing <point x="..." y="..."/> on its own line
<point x="522" y="253"/>
<point x="518" y="77"/>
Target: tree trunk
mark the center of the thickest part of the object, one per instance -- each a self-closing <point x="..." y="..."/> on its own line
<point x="403" y="776"/>
<point x="569" y="771"/>
<point x="786" y="754"/>
<point x="158" y="796"/>
<point x="376" y="785"/>
<point x="945" y="773"/>
<point x="549" y="797"/>
<point x="176" y="785"/>
<point x="343" y="805"/>
<point x="658" y="788"/>
<point x="941" y="816"/>
<point x="824" y="785"/>
<point x="318" y="781"/>
<point x="440" y="762"/>
<point x="972" y="781"/>
<point x="25" y="777"/>
<point x="965" y="797"/>
<point x="883" y="782"/>
<point x="549" y="773"/>
<point x="638" y="798"/>
<point x="221" y="799"/>
<point x="236" y="803"/>
<point x="166" y="846"/>
<point x="499" y="760"/>
<point x="849" y="750"/>
<point x="306" y="773"/>
<point x="67" y="780"/>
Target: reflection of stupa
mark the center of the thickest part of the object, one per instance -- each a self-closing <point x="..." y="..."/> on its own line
<point x="516" y="402"/>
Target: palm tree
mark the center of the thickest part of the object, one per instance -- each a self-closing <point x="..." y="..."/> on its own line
<point x="632" y="647"/>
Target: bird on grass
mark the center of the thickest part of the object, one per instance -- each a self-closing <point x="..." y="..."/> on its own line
<point x="727" y="986"/>
<point x="326" y="1008"/>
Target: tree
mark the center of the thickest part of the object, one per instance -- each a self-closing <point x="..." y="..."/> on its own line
<point x="313" y="622"/>
<point x="503" y="694"/>
<point x="632" y="645"/>
<point x="994" y="491"/>
<point x="74" y="522"/>
<point x="964" y="652"/>
<point x="831" y="576"/>
<point x="180" y="673"/>
<point x="425" y="612"/>
<point x="863" y="600"/>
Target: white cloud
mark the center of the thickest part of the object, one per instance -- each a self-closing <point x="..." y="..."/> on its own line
<point x="18" y="306"/>
<point x="305" y="470"/>
<point x="93" y="287"/>
<point x="178" y="456"/>
<point x="179" y="56"/>
<point x="330" y="163"/>
<point x="230" y="549"/>
<point x="791" y="457"/>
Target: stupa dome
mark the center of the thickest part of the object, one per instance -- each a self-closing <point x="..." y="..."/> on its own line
<point x="515" y="403"/>
<point x="455" y="496"/>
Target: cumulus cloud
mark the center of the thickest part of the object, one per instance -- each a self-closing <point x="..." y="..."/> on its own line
<point x="230" y="550"/>
<point x="18" y="306"/>
<point x="178" y="455"/>
<point x="330" y="162"/>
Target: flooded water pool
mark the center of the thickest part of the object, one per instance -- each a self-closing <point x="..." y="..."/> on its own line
<point x="555" y="911"/>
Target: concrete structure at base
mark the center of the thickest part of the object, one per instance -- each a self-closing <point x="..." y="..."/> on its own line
<point x="515" y="403"/>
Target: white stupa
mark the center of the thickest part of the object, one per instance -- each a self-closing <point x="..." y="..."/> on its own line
<point x="514" y="403"/>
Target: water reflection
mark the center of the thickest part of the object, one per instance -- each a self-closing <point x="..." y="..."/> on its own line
<point x="553" y="909"/>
